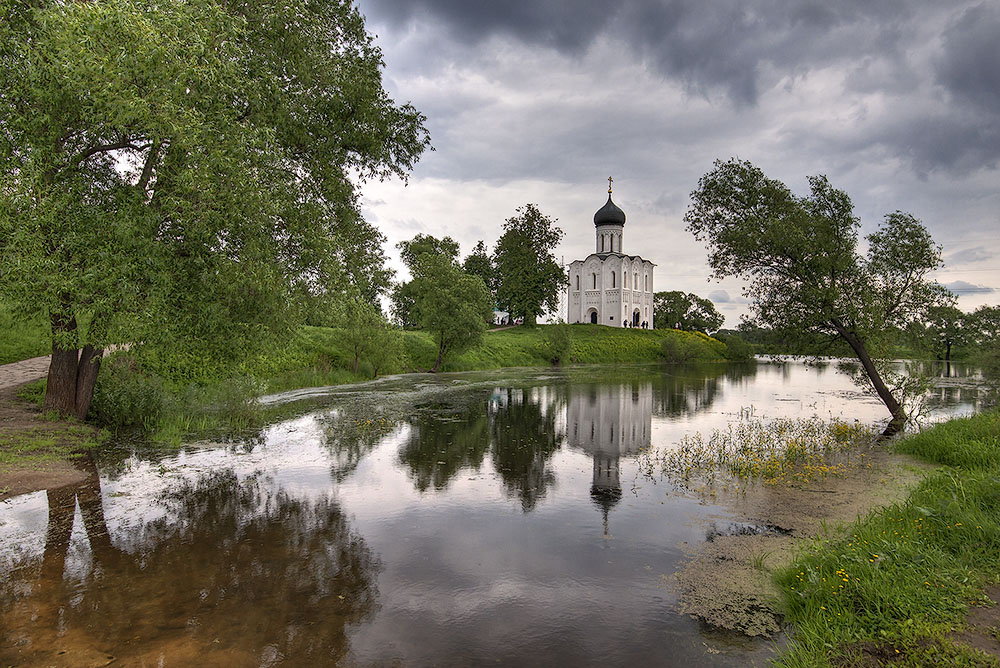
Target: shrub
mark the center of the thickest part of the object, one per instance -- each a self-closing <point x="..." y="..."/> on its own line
<point x="557" y="343"/>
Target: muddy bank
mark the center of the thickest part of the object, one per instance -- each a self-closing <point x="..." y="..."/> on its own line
<point x="37" y="453"/>
<point x="727" y="580"/>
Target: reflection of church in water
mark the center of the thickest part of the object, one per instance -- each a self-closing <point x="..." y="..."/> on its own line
<point x="609" y="422"/>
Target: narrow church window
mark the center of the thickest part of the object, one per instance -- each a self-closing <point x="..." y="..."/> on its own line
<point x="635" y="279"/>
<point x="613" y="274"/>
<point x="602" y="243"/>
<point x="594" y="276"/>
<point x="578" y="281"/>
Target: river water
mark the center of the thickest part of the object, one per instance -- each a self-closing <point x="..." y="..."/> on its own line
<point x="493" y="518"/>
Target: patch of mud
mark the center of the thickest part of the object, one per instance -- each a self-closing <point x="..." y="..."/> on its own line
<point x="20" y="417"/>
<point x="727" y="582"/>
<point x="983" y="631"/>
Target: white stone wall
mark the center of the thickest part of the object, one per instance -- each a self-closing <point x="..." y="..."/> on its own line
<point x="614" y="286"/>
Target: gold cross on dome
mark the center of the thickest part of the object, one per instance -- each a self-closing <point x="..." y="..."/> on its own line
<point x="610" y="180"/>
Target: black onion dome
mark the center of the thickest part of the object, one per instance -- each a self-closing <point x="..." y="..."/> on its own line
<point x="609" y="214"/>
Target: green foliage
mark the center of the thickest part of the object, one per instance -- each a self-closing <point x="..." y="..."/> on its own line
<point x="478" y="263"/>
<point x="737" y="350"/>
<point x="124" y="396"/>
<point x="557" y="342"/>
<point x="32" y="392"/>
<point x="687" y="311"/>
<point x="197" y="188"/>
<point x="22" y="338"/>
<point x="968" y="443"/>
<point x="404" y="295"/>
<point x="528" y="278"/>
<point x="945" y="329"/>
<point x="452" y="305"/>
<point x="682" y="350"/>
<point x="904" y="576"/>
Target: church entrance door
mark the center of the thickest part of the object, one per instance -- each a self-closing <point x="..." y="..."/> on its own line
<point x="593" y="317"/>
<point x="635" y="318"/>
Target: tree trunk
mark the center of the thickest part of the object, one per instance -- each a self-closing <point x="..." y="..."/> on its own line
<point x="86" y="379"/>
<point x="60" y="388"/>
<point x="437" y="362"/>
<point x="72" y="375"/>
<point x="895" y="408"/>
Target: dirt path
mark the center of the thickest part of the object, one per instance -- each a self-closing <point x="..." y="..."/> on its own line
<point x="25" y="371"/>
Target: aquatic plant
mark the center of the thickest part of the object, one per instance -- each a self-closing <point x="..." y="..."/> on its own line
<point x="782" y="450"/>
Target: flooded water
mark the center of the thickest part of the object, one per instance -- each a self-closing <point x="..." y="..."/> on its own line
<point x="466" y="519"/>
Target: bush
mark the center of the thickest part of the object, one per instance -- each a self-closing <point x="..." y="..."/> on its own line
<point x="125" y="397"/>
<point x="737" y="350"/>
<point x="679" y="350"/>
<point x="557" y="342"/>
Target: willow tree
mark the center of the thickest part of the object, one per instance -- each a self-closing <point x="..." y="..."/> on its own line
<point x="804" y="271"/>
<point x="180" y="173"/>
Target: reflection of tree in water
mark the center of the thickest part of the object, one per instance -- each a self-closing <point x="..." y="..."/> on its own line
<point x="524" y="437"/>
<point x="350" y="433"/>
<point x="236" y="574"/>
<point x="445" y="439"/>
<point x="688" y="389"/>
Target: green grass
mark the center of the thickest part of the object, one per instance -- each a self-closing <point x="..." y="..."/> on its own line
<point x="904" y="576"/>
<point x="34" y="448"/>
<point x="22" y="340"/>
<point x="518" y="346"/>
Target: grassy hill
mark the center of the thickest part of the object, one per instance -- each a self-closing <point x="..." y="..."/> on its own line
<point x="319" y="355"/>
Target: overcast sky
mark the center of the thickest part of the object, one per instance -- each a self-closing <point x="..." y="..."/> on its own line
<point x="896" y="101"/>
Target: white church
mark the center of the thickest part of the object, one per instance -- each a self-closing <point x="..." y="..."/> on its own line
<point x="609" y="287"/>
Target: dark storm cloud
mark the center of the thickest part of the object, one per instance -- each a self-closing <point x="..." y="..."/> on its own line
<point x="709" y="46"/>
<point x="937" y="62"/>
<point x="969" y="67"/>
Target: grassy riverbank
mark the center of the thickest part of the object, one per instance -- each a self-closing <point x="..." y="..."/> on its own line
<point x="320" y="356"/>
<point x="896" y="589"/>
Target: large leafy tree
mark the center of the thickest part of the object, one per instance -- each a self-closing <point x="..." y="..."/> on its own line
<point x="182" y="172"/>
<point x="528" y="278"/>
<point x="684" y="310"/>
<point x="799" y="254"/>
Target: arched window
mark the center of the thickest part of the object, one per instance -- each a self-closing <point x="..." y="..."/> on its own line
<point x="635" y="279"/>
<point x="594" y="277"/>
<point x="645" y="282"/>
<point x="602" y="243"/>
<point x="613" y="279"/>
<point x="578" y="282"/>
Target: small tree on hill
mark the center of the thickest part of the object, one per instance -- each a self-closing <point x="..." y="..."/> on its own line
<point x="454" y="306"/>
<point x="682" y="310"/>
<point x="528" y="278"/>
<point x="403" y="295"/>
<point x="800" y="256"/>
